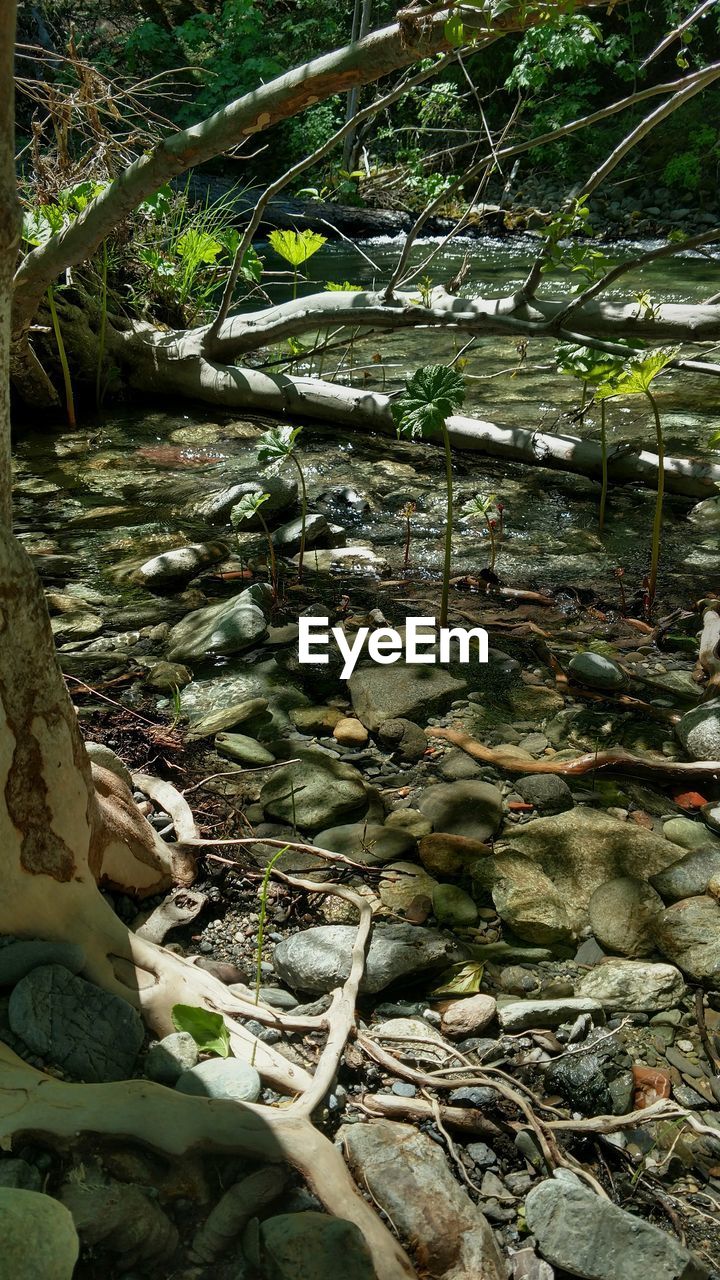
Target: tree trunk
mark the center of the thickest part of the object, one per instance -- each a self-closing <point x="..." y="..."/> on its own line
<point x="9" y="241"/>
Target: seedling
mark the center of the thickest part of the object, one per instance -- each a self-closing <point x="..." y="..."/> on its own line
<point x="261" y="929"/>
<point x="277" y="446"/>
<point x="249" y="506"/>
<point x="491" y="511"/>
<point x="407" y="514"/>
<point x="592" y="368"/>
<point x="296" y="247"/>
<point x="431" y="395"/>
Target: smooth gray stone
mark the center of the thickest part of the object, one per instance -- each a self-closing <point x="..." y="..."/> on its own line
<point x="319" y="959"/>
<point x="221" y="1078"/>
<point x="18" y="958"/>
<point x="93" y="1035"/>
<point x="39" y="1240"/>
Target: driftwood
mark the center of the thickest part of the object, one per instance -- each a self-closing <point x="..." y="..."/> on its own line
<point x="611" y="761"/>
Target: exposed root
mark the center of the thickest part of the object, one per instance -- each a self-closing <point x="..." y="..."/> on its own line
<point x="133" y="857"/>
<point x="615" y="760"/>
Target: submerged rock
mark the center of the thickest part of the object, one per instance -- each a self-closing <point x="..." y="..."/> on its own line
<point x="546" y="791"/>
<point x="592" y="1238"/>
<point x="401" y="691"/>
<point x="228" y="627"/>
<point x="595" y="671"/>
<point x="286" y="539"/>
<point x="699" y="731"/>
<point x="408" y="1177"/>
<point x="314" y="793"/>
<point x="543" y="876"/>
<point x="689" y="935"/>
<point x="360" y="562"/>
<point x="368" y="842"/>
<point x="468" y="808"/>
<point x="623" y="915"/>
<point x="403" y="737"/>
<point x="319" y="959"/>
<point x="688" y="878"/>
<point x="238" y="746"/>
<point x="179" y="564"/>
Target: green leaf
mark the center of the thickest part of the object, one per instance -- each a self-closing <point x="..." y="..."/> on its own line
<point x="455" y="31"/>
<point x="638" y="375"/>
<point x="207" y="1029"/>
<point x="248" y="506"/>
<point x="479" y="506"/>
<point x="296" y="246"/>
<point x="198" y="247"/>
<point x="332" y="286"/>
<point x="460" y="980"/>
<point x="714" y="439"/>
<point x="252" y="267"/>
<point x="431" y="395"/>
<point x="277" y="443"/>
<point x="588" y="364"/>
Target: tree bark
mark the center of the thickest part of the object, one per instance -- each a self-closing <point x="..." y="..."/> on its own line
<point x="9" y="241"/>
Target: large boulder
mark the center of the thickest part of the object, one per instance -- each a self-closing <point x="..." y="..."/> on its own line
<point x="591" y="1237"/>
<point x="467" y="808"/>
<point x="407" y="1175"/>
<point x="699" y="731"/>
<point x="315" y="792"/>
<point x="319" y="959"/>
<point x="401" y="691"/>
<point x="39" y="1240"/>
<point x="229" y="627"/>
<point x="543" y="876"/>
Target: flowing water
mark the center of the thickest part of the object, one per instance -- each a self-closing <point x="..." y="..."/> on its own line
<point x="123" y="483"/>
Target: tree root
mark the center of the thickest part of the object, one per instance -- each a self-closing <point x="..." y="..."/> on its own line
<point x="615" y="760"/>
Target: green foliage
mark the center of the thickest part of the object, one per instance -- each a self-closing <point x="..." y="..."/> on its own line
<point x="248" y="506"/>
<point x="460" y="980"/>
<point x="296" y="246"/>
<point x="572" y="43"/>
<point x="43" y="221"/>
<point x="685" y="170"/>
<point x="431" y="395"/>
<point x="636" y="377"/>
<point x="207" y="1029"/>
<point x="278" y="443"/>
<point x="588" y="364"/>
<point x="333" y="286"/>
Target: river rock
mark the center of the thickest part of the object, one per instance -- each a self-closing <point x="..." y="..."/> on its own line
<point x="546" y="791"/>
<point x="689" y="935"/>
<point x="595" y="671"/>
<point x="316" y="792"/>
<point x="349" y="732"/>
<point x="370" y="843"/>
<point x="175" y="566"/>
<point x="410" y="820"/>
<point x="472" y="809"/>
<point x="93" y="1035"/>
<point x="404" y="738"/>
<point x="453" y="907"/>
<point x="18" y="957"/>
<point x="408" y="1177"/>
<point x="699" y="731"/>
<point x="447" y="855"/>
<point x="521" y="1014"/>
<point x="221" y="1078"/>
<point x="318" y="959"/>
<point x="227" y="717"/>
<point x="706" y="514"/>
<point x="633" y="986"/>
<point x="623" y="914"/>
<point x="691" y="835"/>
<point x="238" y="746"/>
<point x="215" y="508"/>
<point x="543" y="876"/>
<point x="286" y="539"/>
<point x="313" y="1246"/>
<point x="422" y="1044"/>
<point x="468" y="1017"/>
<point x="355" y="562"/>
<point x="688" y="878"/>
<point x="401" y="691"/>
<point x="711" y="815"/>
<point x="590" y="1237"/>
<point x="320" y="720"/>
<point x="38" y="1237"/>
<point x="402" y="884"/>
<point x="228" y="627"/>
<point x="168" y="676"/>
<point x="166" y="1060"/>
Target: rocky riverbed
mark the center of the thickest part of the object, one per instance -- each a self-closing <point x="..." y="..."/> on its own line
<point x="545" y="946"/>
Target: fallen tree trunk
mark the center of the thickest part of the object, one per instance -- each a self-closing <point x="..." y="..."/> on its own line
<point x="158" y="366"/>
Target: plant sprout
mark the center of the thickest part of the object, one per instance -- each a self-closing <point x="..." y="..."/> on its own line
<point x="636" y="380"/>
<point x="431" y="395"/>
<point x="593" y="368"/>
<point x="249" y="506"/>
<point x="481" y="507"/>
<point x="276" y="446"/>
<point x="406" y="514"/>
<point x="296" y="247"/>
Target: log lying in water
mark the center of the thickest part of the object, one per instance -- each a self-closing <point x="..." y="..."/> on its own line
<point x="232" y="386"/>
